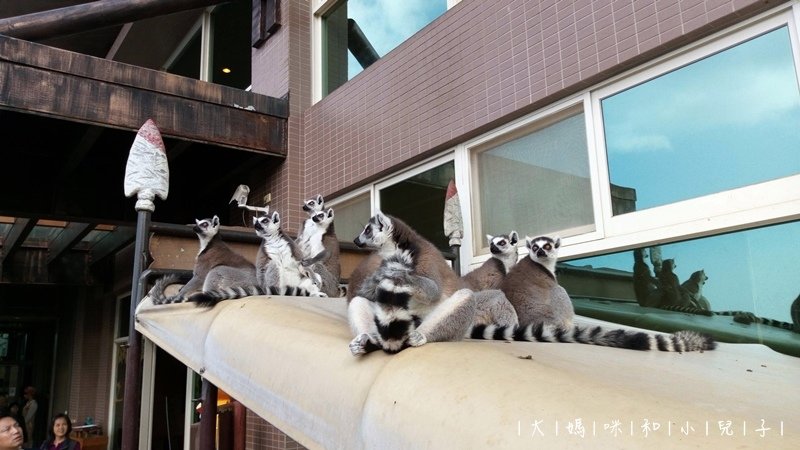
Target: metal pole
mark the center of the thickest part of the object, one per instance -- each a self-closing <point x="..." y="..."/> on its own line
<point x="147" y="177"/>
<point x="208" y="419"/>
<point x="133" y="361"/>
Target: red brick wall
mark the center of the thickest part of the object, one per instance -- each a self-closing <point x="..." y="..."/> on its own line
<point x="263" y="436"/>
<point x="482" y="64"/>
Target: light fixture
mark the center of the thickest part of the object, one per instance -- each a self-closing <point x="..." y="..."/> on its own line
<point x="226" y="70"/>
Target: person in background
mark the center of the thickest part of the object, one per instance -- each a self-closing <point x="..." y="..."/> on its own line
<point x="10" y="433"/>
<point x="29" y="413"/>
<point x="58" y="435"/>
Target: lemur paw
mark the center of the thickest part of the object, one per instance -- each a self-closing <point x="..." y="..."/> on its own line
<point x="319" y="294"/>
<point x="358" y="346"/>
<point x="415" y="338"/>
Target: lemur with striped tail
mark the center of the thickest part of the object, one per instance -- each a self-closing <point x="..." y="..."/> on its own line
<point x="283" y="275"/>
<point x="546" y="313"/>
<point x="404" y="294"/>
<point x="216" y="267"/>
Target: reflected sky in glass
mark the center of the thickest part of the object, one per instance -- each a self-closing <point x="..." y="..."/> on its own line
<point x="387" y="23"/>
<point x="755" y="270"/>
<point x="727" y="121"/>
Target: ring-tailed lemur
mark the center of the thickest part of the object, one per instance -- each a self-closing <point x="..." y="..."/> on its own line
<point x="546" y="313"/>
<point x="320" y="248"/>
<point x="743" y="317"/>
<point x="216" y="266"/>
<point x="794" y="312"/>
<point x="492" y="272"/>
<point x="692" y="290"/>
<point x="314" y="204"/>
<point x="431" y="307"/>
<point x="645" y="285"/>
<point x="284" y="275"/>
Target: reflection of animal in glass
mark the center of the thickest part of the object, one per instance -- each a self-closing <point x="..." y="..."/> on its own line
<point x="794" y="311"/>
<point x="645" y="285"/>
<point x="692" y="290"/>
<point x="670" y="285"/>
<point x="747" y="318"/>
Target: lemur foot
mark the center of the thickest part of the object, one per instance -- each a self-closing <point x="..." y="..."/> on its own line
<point x="415" y="338"/>
<point x="358" y="346"/>
<point x="319" y="294"/>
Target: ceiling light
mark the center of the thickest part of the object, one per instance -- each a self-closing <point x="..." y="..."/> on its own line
<point x="226" y="70"/>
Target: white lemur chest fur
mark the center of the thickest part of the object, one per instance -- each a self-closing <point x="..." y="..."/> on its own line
<point x="310" y="239"/>
<point x="281" y="254"/>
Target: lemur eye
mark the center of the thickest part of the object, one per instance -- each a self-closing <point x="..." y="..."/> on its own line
<point x="535" y="247"/>
<point x="547" y="246"/>
<point x="501" y="242"/>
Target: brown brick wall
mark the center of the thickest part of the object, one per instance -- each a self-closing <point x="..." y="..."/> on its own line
<point x="261" y="435"/>
<point x="482" y="64"/>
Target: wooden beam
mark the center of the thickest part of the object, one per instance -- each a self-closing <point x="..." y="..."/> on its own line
<point x="16" y="236"/>
<point x="84" y="66"/>
<point x="69" y="236"/>
<point x="71" y="97"/>
<point x="96" y="14"/>
<point x="114" y="241"/>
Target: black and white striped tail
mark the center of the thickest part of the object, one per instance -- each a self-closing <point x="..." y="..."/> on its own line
<point x="681" y="341"/>
<point x="157" y="293"/>
<point x="210" y="298"/>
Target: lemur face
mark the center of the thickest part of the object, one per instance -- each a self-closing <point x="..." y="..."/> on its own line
<point x="267" y="225"/>
<point x="543" y="249"/>
<point x="323" y="218"/>
<point x="376" y="233"/>
<point x="504" y="244"/>
<point x="206" y="227"/>
<point x="313" y="205"/>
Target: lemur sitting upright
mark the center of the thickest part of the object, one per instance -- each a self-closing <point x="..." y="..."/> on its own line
<point x="216" y="267"/>
<point x="492" y="272"/>
<point x="320" y="248"/>
<point x="427" y="302"/>
<point x="284" y="275"/>
<point x="546" y="313"/>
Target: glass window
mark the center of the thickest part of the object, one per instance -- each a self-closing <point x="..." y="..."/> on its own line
<point x="356" y="33"/>
<point x="230" y="55"/>
<point x="419" y="201"/>
<point x="739" y="287"/>
<point x="351" y="216"/>
<point x="727" y="121"/>
<point x="534" y="181"/>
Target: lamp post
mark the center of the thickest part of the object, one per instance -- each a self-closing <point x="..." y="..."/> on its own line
<point x="146" y="176"/>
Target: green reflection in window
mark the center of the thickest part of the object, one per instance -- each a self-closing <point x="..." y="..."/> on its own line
<point x="536" y="182"/>
<point x="750" y="274"/>
<point x="727" y="121"/>
<point x="356" y="33"/>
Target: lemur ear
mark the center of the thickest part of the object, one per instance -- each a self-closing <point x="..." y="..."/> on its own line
<point x="320" y="200"/>
<point x="215" y="221"/>
<point x="197" y="221"/>
<point x="489" y="238"/>
<point x="383" y="220"/>
<point x="255" y="220"/>
<point x="557" y="241"/>
<point x="276" y="218"/>
<point x="330" y="212"/>
<point x="528" y="241"/>
<point x="513" y="237"/>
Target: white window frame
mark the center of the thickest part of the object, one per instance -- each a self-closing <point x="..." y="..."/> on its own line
<point x="759" y="204"/>
<point x="468" y="175"/>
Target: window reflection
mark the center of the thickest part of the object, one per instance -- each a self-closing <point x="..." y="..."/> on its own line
<point x="740" y="286"/>
<point x="729" y="120"/>
<point x="356" y="33"/>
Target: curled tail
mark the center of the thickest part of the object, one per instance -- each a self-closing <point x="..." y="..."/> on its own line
<point x="681" y="341"/>
<point x="157" y="293"/>
<point x="208" y="299"/>
<point x="687" y="309"/>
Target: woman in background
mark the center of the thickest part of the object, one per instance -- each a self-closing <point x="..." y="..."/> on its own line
<point x="58" y="435"/>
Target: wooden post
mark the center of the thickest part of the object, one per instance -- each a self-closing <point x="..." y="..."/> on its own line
<point x="208" y="418"/>
<point x="239" y="425"/>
